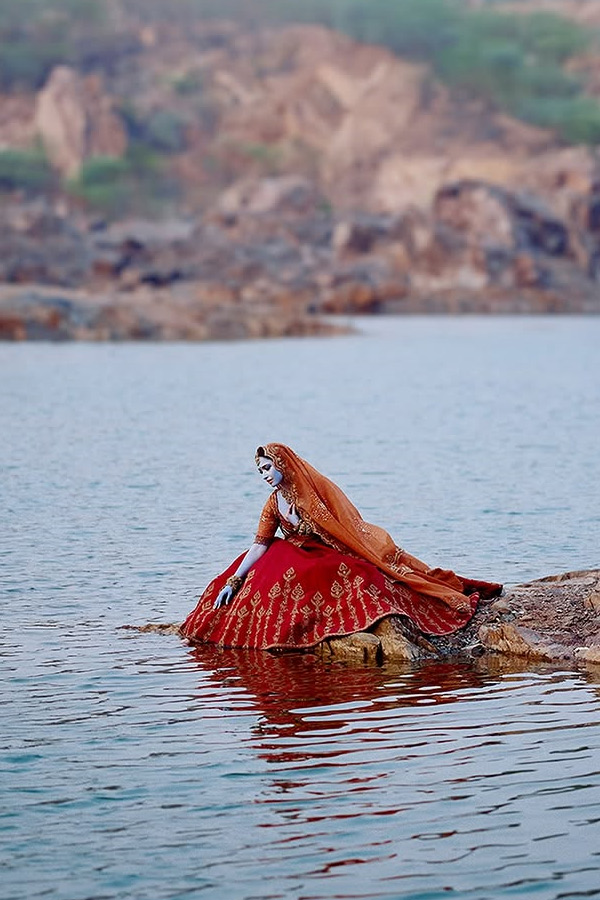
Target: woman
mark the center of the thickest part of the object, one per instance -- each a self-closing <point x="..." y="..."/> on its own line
<point x="331" y="574"/>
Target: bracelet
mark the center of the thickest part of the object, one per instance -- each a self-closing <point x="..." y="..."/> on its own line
<point x="304" y="528"/>
<point x="235" y="582"/>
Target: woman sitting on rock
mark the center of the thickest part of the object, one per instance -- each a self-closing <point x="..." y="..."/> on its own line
<point x="332" y="574"/>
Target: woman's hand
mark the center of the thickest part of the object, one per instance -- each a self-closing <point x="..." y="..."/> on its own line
<point x="234" y="582"/>
<point x="224" y="597"/>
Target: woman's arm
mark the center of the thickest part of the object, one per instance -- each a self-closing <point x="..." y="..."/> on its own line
<point x="253" y="555"/>
<point x="267" y="526"/>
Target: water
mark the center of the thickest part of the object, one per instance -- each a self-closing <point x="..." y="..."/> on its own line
<point x="133" y="766"/>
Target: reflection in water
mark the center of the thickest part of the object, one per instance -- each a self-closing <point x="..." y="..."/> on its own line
<point x="284" y="686"/>
<point x="383" y="770"/>
<point x="154" y="770"/>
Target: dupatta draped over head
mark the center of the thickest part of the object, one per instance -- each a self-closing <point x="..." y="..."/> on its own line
<point x="332" y="517"/>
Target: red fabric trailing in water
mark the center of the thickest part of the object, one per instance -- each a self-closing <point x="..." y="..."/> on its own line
<point x="301" y="592"/>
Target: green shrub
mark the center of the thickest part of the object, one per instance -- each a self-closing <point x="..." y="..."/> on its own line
<point x="16" y="14"/>
<point x="161" y="130"/>
<point x="497" y="70"/>
<point x="36" y="35"/>
<point x="26" y="170"/>
<point x="576" y="120"/>
<point x="418" y="29"/>
<point x="548" y="36"/>
<point x="82" y="11"/>
<point x="136" y="183"/>
<point x="104" y="183"/>
<point x="102" y="170"/>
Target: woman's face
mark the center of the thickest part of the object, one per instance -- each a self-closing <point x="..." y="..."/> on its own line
<point x="268" y="472"/>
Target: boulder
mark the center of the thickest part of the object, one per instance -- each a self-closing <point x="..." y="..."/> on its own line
<point x="491" y="217"/>
<point x="75" y="120"/>
<point x="139" y="251"/>
<point x="554" y="619"/>
<point x="285" y="193"/>
<point x="361" y="647"/>
<point x="145" y="233"/>
<point x="477" y="211"/>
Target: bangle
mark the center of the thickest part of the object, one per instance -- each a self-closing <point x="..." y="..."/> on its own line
<point x="303" y="528"/>
<point x="235" y="582"/>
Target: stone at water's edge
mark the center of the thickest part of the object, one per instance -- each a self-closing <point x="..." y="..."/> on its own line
<point x="553" y="619"/>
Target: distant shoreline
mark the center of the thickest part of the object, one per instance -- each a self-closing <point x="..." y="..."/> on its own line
<point x="45" y="313"/>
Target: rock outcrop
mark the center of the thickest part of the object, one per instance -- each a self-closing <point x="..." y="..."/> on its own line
<point x="374" y="131"/>
<point x="75" y="120"/>
<point x="554" y="619"/>
<point x="319" y="175"/>
<point x="271" y="261"/>
<point x="378" y="132"/>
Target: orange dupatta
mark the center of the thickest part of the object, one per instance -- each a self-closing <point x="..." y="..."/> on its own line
<point x="331" y="515"/>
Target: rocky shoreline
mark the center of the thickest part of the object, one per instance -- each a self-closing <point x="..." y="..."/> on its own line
<point x="554" y="620"/>
<point x="60" y="315"/>
<point x="270" y="262"/>
<point x="550" y="620"/>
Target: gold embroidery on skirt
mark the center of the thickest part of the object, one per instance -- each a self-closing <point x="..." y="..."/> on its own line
<point x="317" y="599"/>
<point x="298" y="592"/>
<point x="288" y="577"/>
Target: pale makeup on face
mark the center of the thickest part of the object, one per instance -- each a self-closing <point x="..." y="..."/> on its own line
<point x="268" y="472"/>
<point x="274" y="477"/>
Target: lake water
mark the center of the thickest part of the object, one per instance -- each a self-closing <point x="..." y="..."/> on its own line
<point x="136" y="767"/>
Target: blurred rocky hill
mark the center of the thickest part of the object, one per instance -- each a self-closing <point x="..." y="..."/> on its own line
<point x="179" y="176"/>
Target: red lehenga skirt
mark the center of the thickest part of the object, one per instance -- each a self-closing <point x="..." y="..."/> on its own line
<point x="299" y="593"/>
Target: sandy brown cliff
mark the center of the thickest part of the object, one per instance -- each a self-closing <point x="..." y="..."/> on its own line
<point x="375" y="132"/>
